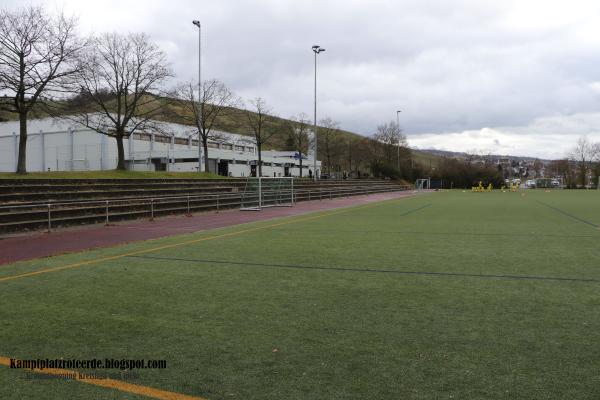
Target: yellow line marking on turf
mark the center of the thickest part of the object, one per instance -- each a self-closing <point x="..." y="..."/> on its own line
<point x="109" y="383"/>
<point x="145" y="390"/>
<point x="203" y="239"/>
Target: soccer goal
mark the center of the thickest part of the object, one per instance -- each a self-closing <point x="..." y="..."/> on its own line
<point x="423" y="184"/>
<point x="265" y="192"/>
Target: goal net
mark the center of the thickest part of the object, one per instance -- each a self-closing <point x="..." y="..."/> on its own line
<point x="267" y="192"/>
<point x="422" y="184"/>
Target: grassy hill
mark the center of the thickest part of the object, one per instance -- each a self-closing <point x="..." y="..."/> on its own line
<point x="426" y="159"/>
<point x="234" y="121"/>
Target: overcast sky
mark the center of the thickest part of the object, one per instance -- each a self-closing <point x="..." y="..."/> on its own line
<point x="518" y="77"/>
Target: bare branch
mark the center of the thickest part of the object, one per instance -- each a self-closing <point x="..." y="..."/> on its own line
<point x="204" y="110"/>
<point x="256" y="119"/>
<point x="118" y="77"/>
<point x="37" y="57"/>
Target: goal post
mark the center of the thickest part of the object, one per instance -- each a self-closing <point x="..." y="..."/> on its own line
<point x="266" y="192"/>
<point x="423" y="184"/>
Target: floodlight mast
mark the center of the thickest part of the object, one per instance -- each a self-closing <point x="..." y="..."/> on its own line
<point x="398" y="126"/>
<point x="199" y="115"/>
<point x="316" y="49"/>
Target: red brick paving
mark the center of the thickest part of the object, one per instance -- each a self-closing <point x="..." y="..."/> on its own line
<point x="36" y="245"/>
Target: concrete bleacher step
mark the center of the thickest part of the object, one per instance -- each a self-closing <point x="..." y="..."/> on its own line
<point x="127" y="190"/>
<point x="99" y="216"/>
<point x="74" y="188"/>
<point x="127" y="201"/>
<point x="109" y="194"/>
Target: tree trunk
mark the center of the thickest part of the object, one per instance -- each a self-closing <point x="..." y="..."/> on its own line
<point x="205" y="150"/>
<point x="300" y="164"/>
<point x="120" y="152"/>
<point x="350" y="158"/>
<point x="22" y="162"/>
<point x="259" y="148"/>
<point x="583" y="173"/>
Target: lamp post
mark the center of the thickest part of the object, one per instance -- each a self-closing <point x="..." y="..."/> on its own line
<point x="316" y="49"/>
<point x="398" y="126"/>
<point x="197" y="23"/>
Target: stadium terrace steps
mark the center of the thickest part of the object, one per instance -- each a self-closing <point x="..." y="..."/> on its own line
<point x="56" y="196"/>
<point x="26" y="205"/>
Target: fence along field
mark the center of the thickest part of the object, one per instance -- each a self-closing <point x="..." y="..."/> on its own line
<point x="469" y="295"/>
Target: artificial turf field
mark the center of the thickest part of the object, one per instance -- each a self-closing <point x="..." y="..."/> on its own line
<point x="445" y="295"/>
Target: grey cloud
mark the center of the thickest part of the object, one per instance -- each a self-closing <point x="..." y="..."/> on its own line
<point x="451" y="66"/>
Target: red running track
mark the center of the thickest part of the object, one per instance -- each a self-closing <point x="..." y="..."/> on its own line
<point x="36" y="245"/>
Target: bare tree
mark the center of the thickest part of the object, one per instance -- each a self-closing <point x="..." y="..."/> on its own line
<point x="357" y="154"/>
<point x="37" y="55"/>
<point x="391" y="136"/>
<point x="330" y="141"/>
<point x="257" y="122"/>
<point x="585" y="153"/>
<point x="216" y="101"/>
<point x="298" y="129"/>
<point x="118" y="80"/>
<point x="375" y="150"/>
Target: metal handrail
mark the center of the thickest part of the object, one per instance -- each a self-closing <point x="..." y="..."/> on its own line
<point x="299" y="194"/>
<point x="104" y="201"/>
<point x="150" y="198"/>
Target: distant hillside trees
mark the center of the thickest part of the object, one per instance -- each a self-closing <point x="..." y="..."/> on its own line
<point x="358" y="156"/>
<point x="331" y="145"/>
<point x="38" y="55"/>
<point x="391" y="137"/>
<point x="388" y="153"/>
<point x="464" y="174"/>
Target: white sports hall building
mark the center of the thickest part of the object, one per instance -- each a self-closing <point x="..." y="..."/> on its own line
<point x="61" y="145"/>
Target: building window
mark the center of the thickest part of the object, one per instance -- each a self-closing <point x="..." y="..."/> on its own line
<point x="250" y="149"/>
<point x="227" y="146"/>
<point x="162" y="139"/>
<point x="213" y="145"/>
<point x="239" y="148"/>
<point x="181" y="141"/>
<point x="142" y="136"/>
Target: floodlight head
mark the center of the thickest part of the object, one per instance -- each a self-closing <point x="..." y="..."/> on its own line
<point x="196" y="22"/>
<point x="315" y="47"/>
